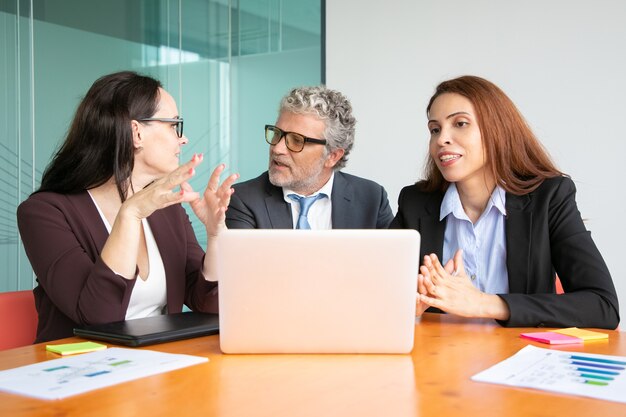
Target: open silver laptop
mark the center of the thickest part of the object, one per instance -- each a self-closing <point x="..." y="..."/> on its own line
<point x="332" y="291"/>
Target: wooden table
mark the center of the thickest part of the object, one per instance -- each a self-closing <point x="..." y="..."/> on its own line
<point x="433" y="381"/>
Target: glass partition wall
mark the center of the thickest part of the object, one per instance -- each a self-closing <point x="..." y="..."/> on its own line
<point x="226" y="62"/>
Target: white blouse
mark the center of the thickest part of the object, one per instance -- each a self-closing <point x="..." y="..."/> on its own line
<point x="149" y="296"/>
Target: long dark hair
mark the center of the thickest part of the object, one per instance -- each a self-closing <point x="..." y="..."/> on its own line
<point x="516" y="158"/>
<point x="99" y="144"/>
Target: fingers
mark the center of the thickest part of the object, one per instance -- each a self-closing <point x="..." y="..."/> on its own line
<point x="419" y="306"/>
<point x="156" y="200"/>
<point x="226" y="186"/>
<point x="428" y="261"/>
<point x="189" y="195"/>
<point x="436" y="271"/>
<point x="430" y="301"/>
<point x="220" y="194"/>
<point x="225" y="190"/>
<point x="214" y="181"/>
<point x="186" y="187"/>
<point x="182" y="173"/>
<point x="427" y="269"/>
<point x="424" y="272"/>
<point x="213" y="190"/>
<point x="421" y="288"/>
<point x="458" y="262"/>
<point x="427" y="285"/>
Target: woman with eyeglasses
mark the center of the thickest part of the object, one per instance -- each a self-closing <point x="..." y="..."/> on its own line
<point x="105" y="233"/>
<point x="498" y="219"/>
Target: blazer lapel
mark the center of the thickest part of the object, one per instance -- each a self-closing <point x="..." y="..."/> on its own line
<point x="518" y="241"/>
<point x="342" y="215"/>
<point x="278" y="211"/>
<point x="92" y="220"/>
<point x="431" y="229"/>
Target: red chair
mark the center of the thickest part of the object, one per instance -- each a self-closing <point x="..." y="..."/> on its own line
<point x="18" y="319"/>
<point x="558" y="285"/>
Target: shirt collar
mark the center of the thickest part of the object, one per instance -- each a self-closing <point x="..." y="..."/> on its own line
<point x="498" y="200"/>
<point x="326" y="189"/>
<point x="452" y="203"/>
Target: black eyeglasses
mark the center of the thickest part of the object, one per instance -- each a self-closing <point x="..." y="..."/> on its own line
<point x="177" y="121"/>
<point x="294" y="141"/>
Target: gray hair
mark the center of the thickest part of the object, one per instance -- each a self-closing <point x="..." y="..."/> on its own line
<point x="330" y="106"/>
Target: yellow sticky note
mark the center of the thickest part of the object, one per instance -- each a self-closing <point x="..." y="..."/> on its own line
<point x="582" y="333"/>
<point x="73" y="348"/>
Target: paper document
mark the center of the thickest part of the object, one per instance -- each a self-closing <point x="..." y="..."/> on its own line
<point x="584" y="374"/>
<point x="60" y="378"/>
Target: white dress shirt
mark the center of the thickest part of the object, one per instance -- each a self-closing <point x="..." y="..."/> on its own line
<point x="320" y="212"/>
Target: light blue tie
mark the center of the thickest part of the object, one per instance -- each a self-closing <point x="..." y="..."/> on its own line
<point x="305" y="205"/>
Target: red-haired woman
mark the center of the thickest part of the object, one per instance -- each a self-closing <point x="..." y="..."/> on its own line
<point x="502" y="218"/>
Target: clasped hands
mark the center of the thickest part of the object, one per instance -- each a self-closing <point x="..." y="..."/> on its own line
<point x="450" y="289"/>
<point x="210" y="207"/>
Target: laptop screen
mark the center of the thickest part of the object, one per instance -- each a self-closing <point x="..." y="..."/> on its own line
<point x="308" y="291"/>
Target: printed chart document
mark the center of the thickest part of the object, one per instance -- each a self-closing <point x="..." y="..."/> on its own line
<point x="585" y="374"/>
<point x="60" y="378"/>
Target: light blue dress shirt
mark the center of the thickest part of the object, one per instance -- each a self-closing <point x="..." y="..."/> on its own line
<point x="483" y="243"/>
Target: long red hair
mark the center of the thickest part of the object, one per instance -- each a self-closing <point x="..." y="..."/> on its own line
<point x="516" y="158"/>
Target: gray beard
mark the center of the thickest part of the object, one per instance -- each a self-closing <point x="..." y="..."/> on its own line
<point x="303" y="187"/>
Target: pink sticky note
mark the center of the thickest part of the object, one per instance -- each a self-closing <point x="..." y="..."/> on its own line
<point x="552" y="338"/>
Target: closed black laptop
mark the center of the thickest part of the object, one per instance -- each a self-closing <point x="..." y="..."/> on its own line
<point x="151" y="330"/>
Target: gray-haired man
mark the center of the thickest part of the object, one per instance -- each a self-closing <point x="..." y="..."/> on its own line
<point x="304" y="187"/>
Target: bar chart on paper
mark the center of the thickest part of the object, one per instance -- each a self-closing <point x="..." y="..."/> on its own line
<point x="589" y="375"/>
<point x="594" y="371"/>
<point x="63" y="377"/>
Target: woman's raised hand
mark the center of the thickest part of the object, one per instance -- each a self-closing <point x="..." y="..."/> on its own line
<point x="164" y="191"/>
<point x="211" y="206"/>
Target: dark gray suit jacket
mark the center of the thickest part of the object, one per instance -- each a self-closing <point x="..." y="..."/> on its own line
<point x="357" y="203"/>
<point x="544" y="234"/>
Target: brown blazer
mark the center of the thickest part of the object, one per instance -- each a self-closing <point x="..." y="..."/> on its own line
<point x="63" y="235"/>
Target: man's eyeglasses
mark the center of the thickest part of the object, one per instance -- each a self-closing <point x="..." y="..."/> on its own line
<point x="294" y="141"/>
<point x="177" y="121"/>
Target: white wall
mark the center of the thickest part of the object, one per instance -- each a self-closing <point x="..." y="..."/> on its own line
<point x="563" y="62"/>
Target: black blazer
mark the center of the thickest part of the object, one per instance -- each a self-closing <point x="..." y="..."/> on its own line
<point x="357" y="203"/>
<point x="544" y="234"/>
